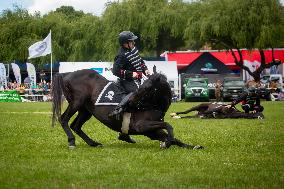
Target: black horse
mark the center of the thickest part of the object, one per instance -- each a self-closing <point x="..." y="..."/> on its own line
<point x="218" y="111"/>
<point x="147" y="105"/>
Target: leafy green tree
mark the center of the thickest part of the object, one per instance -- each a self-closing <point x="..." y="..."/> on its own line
<point x="75" y="35"/>
<point x="86" y="41"/>
<point x="14" y="34"/>
<point x="69" y="12"/>
<point x="237" y="24"/>
<point x="158" y="24"/>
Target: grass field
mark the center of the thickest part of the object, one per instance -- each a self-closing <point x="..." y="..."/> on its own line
<point x="238" y="153"/>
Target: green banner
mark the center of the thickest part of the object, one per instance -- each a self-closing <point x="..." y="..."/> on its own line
<point x="10" y="96"/>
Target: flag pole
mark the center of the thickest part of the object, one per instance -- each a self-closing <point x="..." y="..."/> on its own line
<point x="51" y="61"/>
<point x="51" y="67"/>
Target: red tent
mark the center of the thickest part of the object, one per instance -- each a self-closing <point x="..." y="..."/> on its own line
<point x="185" y="58"/>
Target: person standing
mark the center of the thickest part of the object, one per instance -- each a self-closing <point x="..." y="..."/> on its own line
<point x="218" y="90"/>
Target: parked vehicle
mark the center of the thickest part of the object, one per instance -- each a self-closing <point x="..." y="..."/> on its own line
<point x="266" y="79"/>
<point x="196" y="89"/>
<point x="272" y="85"/>
<point x="232" y="88"/>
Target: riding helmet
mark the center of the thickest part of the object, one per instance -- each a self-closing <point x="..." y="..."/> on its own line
<point x="126" y="36"/>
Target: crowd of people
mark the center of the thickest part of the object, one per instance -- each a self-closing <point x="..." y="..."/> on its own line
<point x="28" y="91"/>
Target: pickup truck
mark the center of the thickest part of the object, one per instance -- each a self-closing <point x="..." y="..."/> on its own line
<point x="232" y="88"/>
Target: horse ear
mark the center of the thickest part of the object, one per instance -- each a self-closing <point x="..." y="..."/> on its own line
<point x="154" y="69"/>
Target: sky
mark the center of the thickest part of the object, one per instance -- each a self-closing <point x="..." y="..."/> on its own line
<point x="95" y="7"/>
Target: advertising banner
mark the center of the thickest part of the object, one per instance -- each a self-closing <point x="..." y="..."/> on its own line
<point x="3" y="79"/>
<point x="32" y="73"/>
<point x="10" y="96"/>
<point x="17" y="72"/>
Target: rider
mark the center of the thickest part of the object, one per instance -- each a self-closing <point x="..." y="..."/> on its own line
<point x="250" y="100"/>
<point x="128" y="67"/>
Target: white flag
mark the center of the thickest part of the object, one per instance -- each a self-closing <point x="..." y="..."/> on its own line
<point x="32" y="73"/>
<point x="17" y="72"/>
<point x="40" y="48"/>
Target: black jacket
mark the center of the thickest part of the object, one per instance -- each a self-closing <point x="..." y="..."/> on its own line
<point x="126" y="62"/>
<point x="247" y="98"/>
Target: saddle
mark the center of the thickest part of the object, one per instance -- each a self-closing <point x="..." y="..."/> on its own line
<point x="112" y="94"/>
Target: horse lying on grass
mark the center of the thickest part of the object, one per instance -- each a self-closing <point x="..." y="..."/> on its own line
<point x="217" y="111"/>
<point x="85" y="88"/>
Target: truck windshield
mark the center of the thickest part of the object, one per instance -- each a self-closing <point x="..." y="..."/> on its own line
<point x="197" y="83"/>
<point x="234" y="83"/>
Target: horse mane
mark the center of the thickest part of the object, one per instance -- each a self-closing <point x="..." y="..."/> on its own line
<point x="151" y="83"/>
<point x="154" y="93"/>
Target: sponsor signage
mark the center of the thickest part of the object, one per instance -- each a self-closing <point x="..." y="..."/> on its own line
<point x="99" y="70"/>
<point x="209" y="68"/>
<point x="10" y="96"/>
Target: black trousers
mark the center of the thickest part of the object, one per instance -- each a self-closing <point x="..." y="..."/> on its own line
<point x="129" y="85"/>
<point x="248" y="107"/>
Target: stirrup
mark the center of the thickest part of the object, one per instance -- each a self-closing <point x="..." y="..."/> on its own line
<point x="116" y="111"/>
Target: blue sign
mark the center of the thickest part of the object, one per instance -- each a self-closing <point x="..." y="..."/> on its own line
<point x="99" y="70"/>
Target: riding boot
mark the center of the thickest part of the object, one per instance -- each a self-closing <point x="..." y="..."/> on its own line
<point x="120" y="108"/>
<point x="126" y="138"/>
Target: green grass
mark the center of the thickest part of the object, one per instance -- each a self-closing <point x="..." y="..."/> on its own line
<point x="238" y="153"/>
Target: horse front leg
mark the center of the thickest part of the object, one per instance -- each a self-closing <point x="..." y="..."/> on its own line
<point x="174" y="114"/>
<point x="162" y="136"/>
<point x="183" y="145"/>
<point x="144" y="127"/>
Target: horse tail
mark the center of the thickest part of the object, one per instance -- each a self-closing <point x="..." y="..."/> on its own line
<point x="56" y="93"/>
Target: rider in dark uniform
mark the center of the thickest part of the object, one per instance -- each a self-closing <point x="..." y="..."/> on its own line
<point x="128" y="67"/>
<point x="250" y="101"/>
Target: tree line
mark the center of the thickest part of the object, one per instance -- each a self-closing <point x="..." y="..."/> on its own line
<point x="161" y="25"/>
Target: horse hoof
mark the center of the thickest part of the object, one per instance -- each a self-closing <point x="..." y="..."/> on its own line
<point x="197" y="147"/>
<point x="126" y="138"/>
<point x="163" y="145"/>
<point x="176" y="117"/>
<point x="96" y="145"/>
<point x="173" y="114"/>
<point x="260" y="117"/>
<point x="72" y="147"/>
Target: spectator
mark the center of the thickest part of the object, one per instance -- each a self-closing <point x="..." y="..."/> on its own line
<point x="218" y="90"/>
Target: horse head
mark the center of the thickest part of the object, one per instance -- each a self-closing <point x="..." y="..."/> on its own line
<point x="154" y="93"/>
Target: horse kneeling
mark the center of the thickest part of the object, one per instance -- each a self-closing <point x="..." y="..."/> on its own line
<point x="151" y="124"/>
